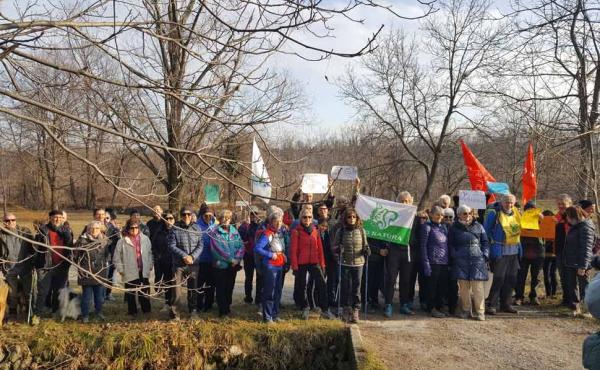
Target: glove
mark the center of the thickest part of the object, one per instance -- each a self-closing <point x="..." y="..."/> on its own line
<point x="366" y="252"/>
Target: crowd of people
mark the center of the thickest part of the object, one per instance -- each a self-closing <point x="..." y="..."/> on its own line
<point x="338" y="270"/>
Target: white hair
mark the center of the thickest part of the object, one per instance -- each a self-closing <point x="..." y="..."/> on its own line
<point x="437" y="210"/>
<point x="405" y="195"/>
<point x="449" y="212"/>
<point x="463" y="209"/>
<point x="565" y="198"/>
<point x="508" y="198"/>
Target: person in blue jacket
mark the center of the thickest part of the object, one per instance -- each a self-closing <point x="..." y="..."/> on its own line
<point x="186" y="245"/>
<point x="503" y="228"/>
<point x="227" y="250"/>
<point x="469" y="252"/>
<point x="206" y="275"/>
<point x="272" y="246"/>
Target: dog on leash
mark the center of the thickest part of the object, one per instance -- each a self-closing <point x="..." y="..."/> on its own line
<point x="69" y="304"/>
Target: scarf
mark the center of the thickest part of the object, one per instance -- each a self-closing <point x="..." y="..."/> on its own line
<point x="308" y="228"/>
<point x="511" y="224"/>
<point x="137" y="245"/>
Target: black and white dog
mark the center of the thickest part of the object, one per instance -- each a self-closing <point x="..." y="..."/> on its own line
<point x="69" y="304"/>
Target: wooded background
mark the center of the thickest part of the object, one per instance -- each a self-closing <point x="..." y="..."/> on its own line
<point x="126" y="103"/>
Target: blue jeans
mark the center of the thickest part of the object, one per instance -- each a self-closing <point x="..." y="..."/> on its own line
<point x="89" y="291"/>
<point x="271" y="292"/>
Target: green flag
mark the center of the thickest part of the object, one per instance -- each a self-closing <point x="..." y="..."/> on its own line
<point x="212" y="193"/>
<point x="386" y="220"/>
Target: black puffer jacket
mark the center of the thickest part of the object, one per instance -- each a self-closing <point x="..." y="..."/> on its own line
<point x="579" y="244"/>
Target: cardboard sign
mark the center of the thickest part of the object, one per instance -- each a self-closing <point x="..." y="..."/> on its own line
<point x="530" y="219"/>
<point x="315" y="183"/>
<point x="472" y="198"/>
<point x="212" y="194"/>
<point x="349" y="173"/>
<point x="546" y="231"/>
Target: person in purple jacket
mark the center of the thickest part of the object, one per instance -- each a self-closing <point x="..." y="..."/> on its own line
<point x="433" y="240"/>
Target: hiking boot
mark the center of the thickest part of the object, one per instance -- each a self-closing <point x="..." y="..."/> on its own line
<point x="372" y="308"/>
<point x="277" y="319"/>
<point x="328" y="315"/>
<point x="248" y="299"/>
<point x="355" y="316"/>
<point x="463" y="315"/>
<point x="437" y="314"/>
<point x="490" y="310"/>
<point x="85" y="320"/>
<point x="317" y="310"/>
<point x="534" y="301"/>
<point x="509" y="309"/>
<point x="305" y="313"/>
<point x="270" y="322"/>
<point x="518" y="302"/>
<point x="387" y="311"/>
<point x="480" y="317"/>
<point x="100" y="317"/>
<point x="194" y="315"/>
<point x="405" y="310"/>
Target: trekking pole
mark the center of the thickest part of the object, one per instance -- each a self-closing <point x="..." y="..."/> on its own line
<point x="339" y="282"/>
<point x="30" y="306"/>
<point x="366" y="285"/>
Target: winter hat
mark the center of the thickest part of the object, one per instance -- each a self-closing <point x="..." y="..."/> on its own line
<point x="203" y="209"/>
<point x="185" y="210"/>
<point x="585" y="203"/>
<point x="342" y="201"/>
<point x="592" y="297"/>
<point x="54" y="212"/>
<point x="529" y="205"/>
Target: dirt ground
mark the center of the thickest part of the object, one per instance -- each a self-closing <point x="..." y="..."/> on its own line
<point x="533" y="339"/>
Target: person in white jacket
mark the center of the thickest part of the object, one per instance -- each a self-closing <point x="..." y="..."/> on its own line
<point x="133" y="261"/>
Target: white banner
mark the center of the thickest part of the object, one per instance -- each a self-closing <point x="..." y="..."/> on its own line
<point x="472" y="198"/>
<point x="261" y="183"/>
<point x="344" y="173"/>
<point x="315" y="183"/>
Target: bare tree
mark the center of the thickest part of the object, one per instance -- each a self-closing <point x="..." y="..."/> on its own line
<point x="419" y="104"/>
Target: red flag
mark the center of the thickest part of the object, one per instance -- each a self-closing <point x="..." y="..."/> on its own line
<point x="529" y="179"/>
<point x="478" y="175"/>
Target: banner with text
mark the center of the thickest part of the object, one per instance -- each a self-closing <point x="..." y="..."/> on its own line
<point x="386" y="220"/>
<point x="472" y="198"/>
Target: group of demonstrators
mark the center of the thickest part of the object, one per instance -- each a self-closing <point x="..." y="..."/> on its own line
<point x="338" y="269"/>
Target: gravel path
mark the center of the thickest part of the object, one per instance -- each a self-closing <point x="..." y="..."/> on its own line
<point x="534" y="339"/>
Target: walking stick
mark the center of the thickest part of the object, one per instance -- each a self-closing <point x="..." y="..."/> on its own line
<point x="339" y="283"/>
<point x="366" y="285"/>
<point x="30" y="308"/>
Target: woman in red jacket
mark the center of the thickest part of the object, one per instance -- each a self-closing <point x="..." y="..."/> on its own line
<point x="306" y="255"/>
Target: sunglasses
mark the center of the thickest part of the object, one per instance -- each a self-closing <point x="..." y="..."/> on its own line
<point x="169" y="218"/>
<point x="134" y="227"/>
<point x="306" y="217"/>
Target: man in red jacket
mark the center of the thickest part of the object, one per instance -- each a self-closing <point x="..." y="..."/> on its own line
<point x="306" y="255"/>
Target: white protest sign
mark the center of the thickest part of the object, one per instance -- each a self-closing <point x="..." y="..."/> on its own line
<point x="344" y="173"/>
<point x="315" y="183"/>
<point x="472" y="198"/>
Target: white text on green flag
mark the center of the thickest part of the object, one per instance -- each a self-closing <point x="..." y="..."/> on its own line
<point x="386" y="220"/>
